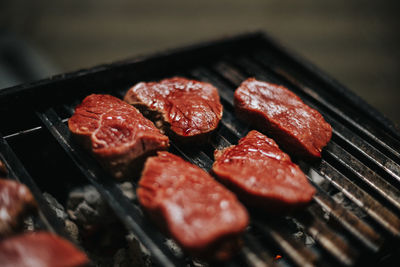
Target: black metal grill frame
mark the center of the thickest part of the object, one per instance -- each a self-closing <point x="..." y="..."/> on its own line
<point x="362" y="161"/>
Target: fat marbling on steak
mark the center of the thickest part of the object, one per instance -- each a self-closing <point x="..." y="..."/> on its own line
<point x="40" y="249"/>
<point x="116" y="133"/>
<point x="187" y="109"/>
<point x="262" y="175"/>
<point x="16" y="201"/>
<point x="275" y="110"/>
<point x="203" y="216"/>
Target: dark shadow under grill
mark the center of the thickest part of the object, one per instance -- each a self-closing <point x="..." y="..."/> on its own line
<point x="354" y="219"/>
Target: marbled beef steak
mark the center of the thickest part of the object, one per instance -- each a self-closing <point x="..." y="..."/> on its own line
<point x="16" y="201"/>
<point x="262" y="175"/>
<point x="40" y="249"/>
<point x="187" y="109"/>
<point x="116" y="133"/>
<point x="276" y="111"/>
<point x="203" y="216"/>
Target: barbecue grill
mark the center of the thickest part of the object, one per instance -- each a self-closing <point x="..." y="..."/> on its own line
<point x="353" y="220"/>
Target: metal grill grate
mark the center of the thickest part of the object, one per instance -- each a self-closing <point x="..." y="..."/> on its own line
<point x="352" y="220"/>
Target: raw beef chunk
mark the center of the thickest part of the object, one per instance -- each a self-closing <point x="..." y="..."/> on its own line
<point x="186" y="109"/>
<point x="16" y="201"/>
<point x="186" y="202"/>
<point x="116" y="133"/>
<point x="40" y="249"/>
<point x="262" y="175"/>
<point x="276" y="111"/>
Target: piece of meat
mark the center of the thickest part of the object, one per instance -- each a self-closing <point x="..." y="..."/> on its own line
<point x="273" y="109"/>
<point x="16" y="201"/>
<point x="262" y="175"/>
<point x="203" y="217"/>
<point x="3" y="169"/>
<point x="116" y="133"/>
<point x="40" y="249"/>
<point x="187" y="109"/>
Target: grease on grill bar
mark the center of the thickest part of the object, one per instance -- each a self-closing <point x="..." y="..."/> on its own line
<point x="352" y="220"/>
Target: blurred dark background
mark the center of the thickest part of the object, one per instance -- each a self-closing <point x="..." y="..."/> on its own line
<point x="357" y="42"/>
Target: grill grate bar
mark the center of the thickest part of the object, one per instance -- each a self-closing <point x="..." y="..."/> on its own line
<point x="364" y="150"/>
<point x="22" y="133"/>
<point x="373" y="208"/>
<point x="18" y="172"/>
<point x="364" y="173"/>
<point x="297" y="252"/>
<point x="129" y="214"/>
<point x="254" y="254"/>
<point x="198" y="158"/>
<point x="327" y="238"/>
<point x="252" y="259"/>
<point x="362" y="231"/>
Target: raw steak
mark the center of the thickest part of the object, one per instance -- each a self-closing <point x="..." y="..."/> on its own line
<point x="116" y="134"/>
<point x="16" y="201"/>
<point x="186" y="202"/>
<point x="273" y="109"/>
<point x="40" y="249"/>
<point x="187" y="109"/>
<point x="262" y="175"/>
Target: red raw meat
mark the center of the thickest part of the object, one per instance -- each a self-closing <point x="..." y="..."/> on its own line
<point x="203" y="217"/>
<point x="40" y="249"/>
<point x="116" y="133"/>
<point x="16" y="201"/>
<point x="273" y="109"/>
<point x="186" y="108"/>
<point x="262" y="175"/>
